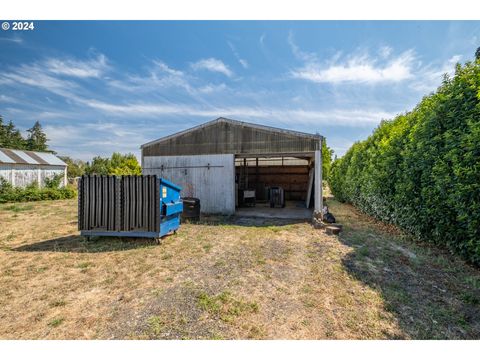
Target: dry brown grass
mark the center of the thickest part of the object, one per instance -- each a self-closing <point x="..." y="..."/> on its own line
<point x="227" y="278"/>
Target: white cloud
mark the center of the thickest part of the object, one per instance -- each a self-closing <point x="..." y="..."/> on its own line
<point x="14" y="39"/>
<point x="166" y="69"/>
<point x="35" y="75"/>
<point x="9" y="99"/>
<point x="261" y="40"/>
<point x="358" y="69"/>
<point x="385" y="51"/>
<point x="214" y="65"/>
<point x="50" y="74"/>
<point x="92" y="68"/>
<point x="242" y="62"/>
<point x="160" y="75"/>
<point x="297" y="52"/>
<point x="211" y="88"/>
<point x="352" y="117"/>
<point x="430" y="77"/>
<point x="76" y="139"/>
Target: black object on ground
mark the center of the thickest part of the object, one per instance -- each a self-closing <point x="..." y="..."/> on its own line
<point x="329" y="218"/>
<point x="191" y="209"/>
<point x="277" y="196"/>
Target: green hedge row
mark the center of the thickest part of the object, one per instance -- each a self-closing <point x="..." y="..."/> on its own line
<point x="51" y="191"/>
<point x="421" y="170"/>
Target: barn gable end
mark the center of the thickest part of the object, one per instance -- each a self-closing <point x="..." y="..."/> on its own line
<point x="226" y="136"/>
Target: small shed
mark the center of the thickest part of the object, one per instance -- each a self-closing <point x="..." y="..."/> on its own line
<point x="21" y="168"/>
<point x="216" y="160"/>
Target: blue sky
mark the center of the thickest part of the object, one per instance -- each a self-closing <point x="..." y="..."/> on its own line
<point x="99" y="86"/>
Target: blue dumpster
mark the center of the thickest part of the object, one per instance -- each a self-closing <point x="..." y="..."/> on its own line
<point x="171" y="207"/>
<point x="131" y="206"/>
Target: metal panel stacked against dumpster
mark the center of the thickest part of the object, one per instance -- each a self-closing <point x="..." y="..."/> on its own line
<point x="132" y="206"/>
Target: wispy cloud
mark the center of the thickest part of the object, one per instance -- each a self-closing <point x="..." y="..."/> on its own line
<point x="297" y="52"/>
<point x="159" y="76"/>
<point x="261" y="40"/>
<point x="92" y="68"/>
<point x="36" y="76"/>
<point x="242" y="62"/>
<point x="211" y="88"/>
<point x="55" y="75"/>
<point x="7" y="99"/>
<point x="430" y="77"/>
<point x="353" y="117"/>
<point x="14" y="39"/>
<point x="385" y="51"/>
<point x="64" y="137"/>
<point x="214" y="65"/>
<point x="358" y="69"/>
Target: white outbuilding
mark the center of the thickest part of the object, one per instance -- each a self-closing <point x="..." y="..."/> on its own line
<point x="21" y="168"/>
<point x="226" y="163"/>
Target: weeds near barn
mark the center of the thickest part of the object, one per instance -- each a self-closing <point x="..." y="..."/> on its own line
<point x="228" y="278"/>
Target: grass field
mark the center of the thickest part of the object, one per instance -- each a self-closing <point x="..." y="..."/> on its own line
<point x="228" y="278"/>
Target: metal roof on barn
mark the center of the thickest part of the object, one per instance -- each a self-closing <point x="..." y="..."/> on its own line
<point x="11" y="156"/>
<point x="227" y="136"/>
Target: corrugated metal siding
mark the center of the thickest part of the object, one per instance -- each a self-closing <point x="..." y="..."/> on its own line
<point x="27" y="159"/>
<point x="207" y="177"/>
<point x="23" y="175"/>
<point x="12" y="156"/>
<point x="6" y="172"/>
<point x="224" y="137"/>
<point x="5" y="159"/>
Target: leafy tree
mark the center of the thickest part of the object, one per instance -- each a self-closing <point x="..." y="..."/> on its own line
<point x="75" y="168"/>
<point x="124" y="165"/>
<point x="477" y="54"/>
<point x="37" y="139"/>
<point x="118" y="164"/>
<point x="98" y="166"/>
<point x="326" y="160"/>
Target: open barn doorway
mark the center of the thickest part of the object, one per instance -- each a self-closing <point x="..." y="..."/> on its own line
<point x="274" y="186"/>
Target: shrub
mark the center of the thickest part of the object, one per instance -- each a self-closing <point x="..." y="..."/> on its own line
<point x="421" y="170"/>
<point x="32" y="192"/>
<point x="53" y="182"/>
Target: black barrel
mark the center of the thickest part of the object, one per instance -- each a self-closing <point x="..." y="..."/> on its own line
<point x="191" y="209"/>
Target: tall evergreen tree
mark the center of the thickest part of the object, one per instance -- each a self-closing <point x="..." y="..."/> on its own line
<point x="3" y="132"/>
<point x="37" y="139"/>
<point x="10" y="136"/>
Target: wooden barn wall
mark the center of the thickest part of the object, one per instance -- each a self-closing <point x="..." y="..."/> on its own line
<point x="293" y="179"/>
<point x="227" y="138"/>
<point x="23" y="175"/>
<point x="207" y="177"/>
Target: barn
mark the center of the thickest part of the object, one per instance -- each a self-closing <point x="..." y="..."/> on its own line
<point x="21" y="168"/>
<point x="228" y="163"/>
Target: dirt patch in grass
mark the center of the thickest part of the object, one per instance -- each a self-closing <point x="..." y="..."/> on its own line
<point x="228" y="278"/>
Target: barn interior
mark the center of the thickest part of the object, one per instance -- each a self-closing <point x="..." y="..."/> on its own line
<point x="256" y="176"/>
